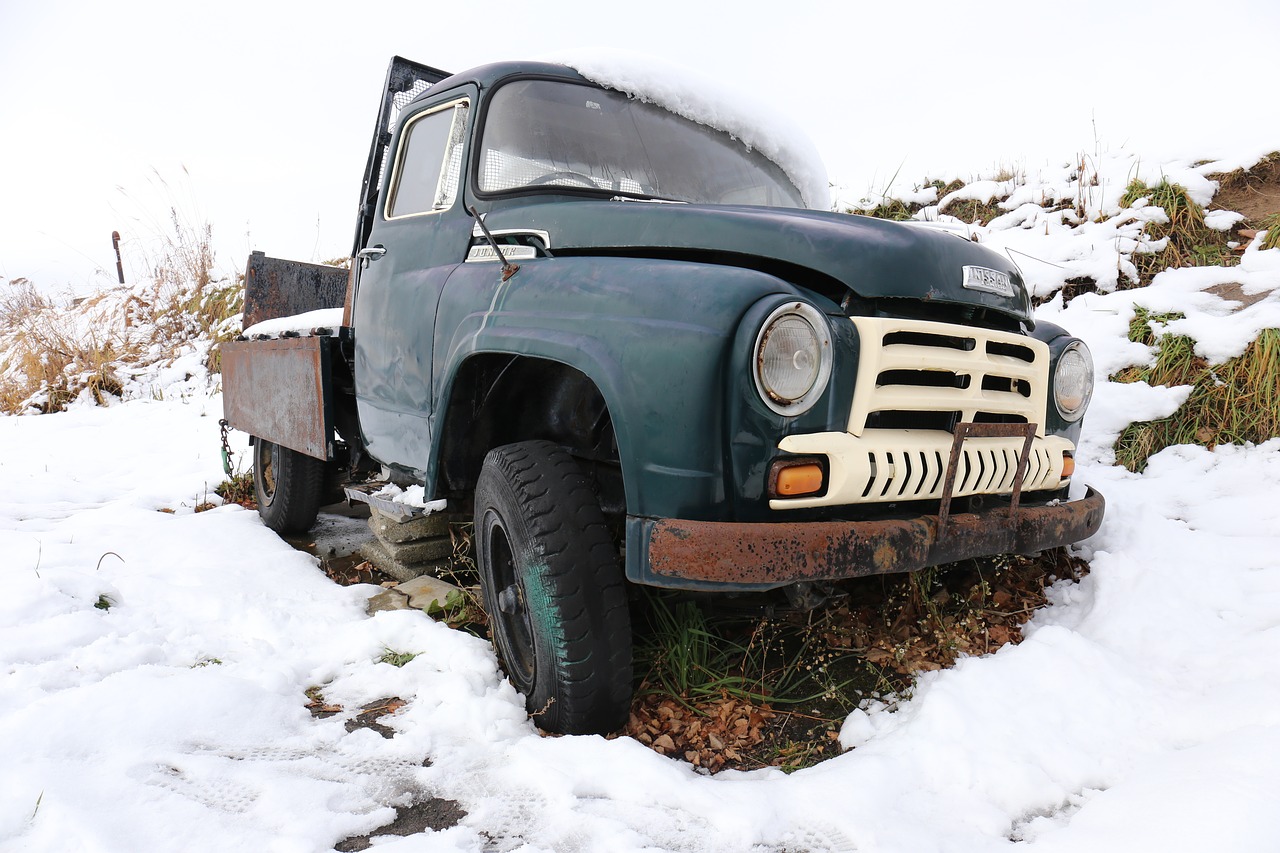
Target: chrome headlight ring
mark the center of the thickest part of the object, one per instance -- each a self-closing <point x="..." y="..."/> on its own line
<point x="1073" y="381"/>
<point x="791" y="362"/>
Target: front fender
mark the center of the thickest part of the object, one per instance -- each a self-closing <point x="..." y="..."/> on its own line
<point x="653" y="335"/>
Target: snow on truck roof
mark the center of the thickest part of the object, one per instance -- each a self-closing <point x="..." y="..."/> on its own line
<point x="710" y="102"/>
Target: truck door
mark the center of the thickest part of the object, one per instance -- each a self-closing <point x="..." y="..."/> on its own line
<point x="420" y="233"/>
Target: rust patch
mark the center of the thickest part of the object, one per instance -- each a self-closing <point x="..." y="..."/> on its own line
<point x="277" y="390"/>
<point x="278" y="288"/>
<point x="786" y="552"/>
<point x="1027" y="432"/>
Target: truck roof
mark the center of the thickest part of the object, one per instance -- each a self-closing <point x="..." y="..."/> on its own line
<point x="487" y="76"/>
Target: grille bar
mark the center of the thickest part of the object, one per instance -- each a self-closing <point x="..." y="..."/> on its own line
<point x="903" y="464"/>
<point x="998" y="375"/>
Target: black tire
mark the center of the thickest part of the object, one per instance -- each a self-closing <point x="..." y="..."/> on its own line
<point x="288" y="486"/>
<point x="554" y="589"/>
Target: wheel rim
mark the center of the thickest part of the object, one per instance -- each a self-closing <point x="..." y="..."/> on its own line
<point x="266" y="457"/>
<point x="512" y="624"/>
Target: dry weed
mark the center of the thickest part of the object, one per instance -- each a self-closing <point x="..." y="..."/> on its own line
<point x="54" y="351"/>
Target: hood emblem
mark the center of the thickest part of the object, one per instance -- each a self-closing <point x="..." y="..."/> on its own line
<point x="989" y="281"/>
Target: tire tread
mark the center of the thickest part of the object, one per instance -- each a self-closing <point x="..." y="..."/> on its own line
<point x="590" y="670"/>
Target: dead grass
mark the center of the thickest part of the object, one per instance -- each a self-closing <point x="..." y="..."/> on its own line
<point x="1230" y="403"/>
<point x="966" y="210"/>
<point x="53" y="351"/>
<point x="1272" y="225"/>
<point x="892" y="209"/>
<point x="45" y="362"/>
<point x="973" y="211"/>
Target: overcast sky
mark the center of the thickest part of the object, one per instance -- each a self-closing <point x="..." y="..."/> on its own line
<point x="256" y="117"/>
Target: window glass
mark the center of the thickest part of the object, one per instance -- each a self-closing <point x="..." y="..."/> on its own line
<point x="429" y="163"/>
<point x="543" y="133"/>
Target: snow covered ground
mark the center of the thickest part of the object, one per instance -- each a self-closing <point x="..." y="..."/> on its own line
<point x="154" y="665"/>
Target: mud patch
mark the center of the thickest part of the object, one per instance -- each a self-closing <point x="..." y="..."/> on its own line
<point x="1234" y="292"/>
<point x="366" y="718"/>
<point x="1253" y="192"/>
<point x="434" y="814"/>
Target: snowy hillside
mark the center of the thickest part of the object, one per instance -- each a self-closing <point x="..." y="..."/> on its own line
<point x="156" y="663"/>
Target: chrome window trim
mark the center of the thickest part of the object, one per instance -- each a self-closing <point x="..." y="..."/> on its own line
<point x="402" y="146"/>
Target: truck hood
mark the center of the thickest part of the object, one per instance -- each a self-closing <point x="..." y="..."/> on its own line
<point x="874" y="258"/>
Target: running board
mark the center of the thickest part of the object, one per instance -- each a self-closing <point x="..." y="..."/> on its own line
<point x="398" y="511"/>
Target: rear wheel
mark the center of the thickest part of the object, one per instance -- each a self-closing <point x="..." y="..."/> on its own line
<point x="554" y="589"/>
<point x="288" y="486"/>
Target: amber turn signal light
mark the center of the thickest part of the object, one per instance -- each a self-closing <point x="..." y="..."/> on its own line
<point x="1068" y="465"/>
<point x="793" y="480"/>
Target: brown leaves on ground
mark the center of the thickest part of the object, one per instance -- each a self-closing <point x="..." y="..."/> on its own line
<point x="367" y="718"/>
<point x="712" y="734"/>
<point x="319" y="707"/>
<point x="928" y="620"/>
<point x="351" y="569"/>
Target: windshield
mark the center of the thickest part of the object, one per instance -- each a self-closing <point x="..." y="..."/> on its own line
<point x="544" y="133"/>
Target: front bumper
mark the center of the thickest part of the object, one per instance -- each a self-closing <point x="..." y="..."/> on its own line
<point x="736" y="556"/>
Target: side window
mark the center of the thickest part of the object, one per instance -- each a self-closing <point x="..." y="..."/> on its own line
<point x="429" y="162"/>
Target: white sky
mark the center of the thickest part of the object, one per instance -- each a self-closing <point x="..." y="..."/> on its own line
<point x="257" y="115"/>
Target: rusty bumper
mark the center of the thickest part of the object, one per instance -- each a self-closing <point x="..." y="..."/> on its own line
<point x="707" y="554"/>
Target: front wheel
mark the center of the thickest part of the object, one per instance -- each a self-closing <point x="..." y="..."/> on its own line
<point x="288" y="486"/>
<point x="554" y="589"/>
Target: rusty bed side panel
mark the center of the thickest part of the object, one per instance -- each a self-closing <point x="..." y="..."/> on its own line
<point x="280" y="390"/>
<point x="786" y="552"/>
<point x="274" y="287"/>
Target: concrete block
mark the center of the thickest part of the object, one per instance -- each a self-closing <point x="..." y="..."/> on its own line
<point x="424" y="591"/>
<point x="388" y="599"/>
<point x="395" y="532"/>
<point x="378" y="554"/>
<point x="421" y="550"/>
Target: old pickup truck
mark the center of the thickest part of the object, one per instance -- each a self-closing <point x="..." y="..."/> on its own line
<point x="625" y="341"/>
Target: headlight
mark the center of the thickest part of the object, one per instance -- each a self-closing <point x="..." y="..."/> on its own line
<point x="793" y="358"/>
<point x="1073" y="381"/>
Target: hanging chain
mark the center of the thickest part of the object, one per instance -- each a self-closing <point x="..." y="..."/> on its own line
<point x="226" y="447"/>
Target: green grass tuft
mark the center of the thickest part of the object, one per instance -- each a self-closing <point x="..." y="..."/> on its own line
<point x="1230" y="403"/>
<point x="1272" y="238"/>
<point x="396" y="658"/>
<point x="892" y="209"/>
<point x="1190" y="243"/>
